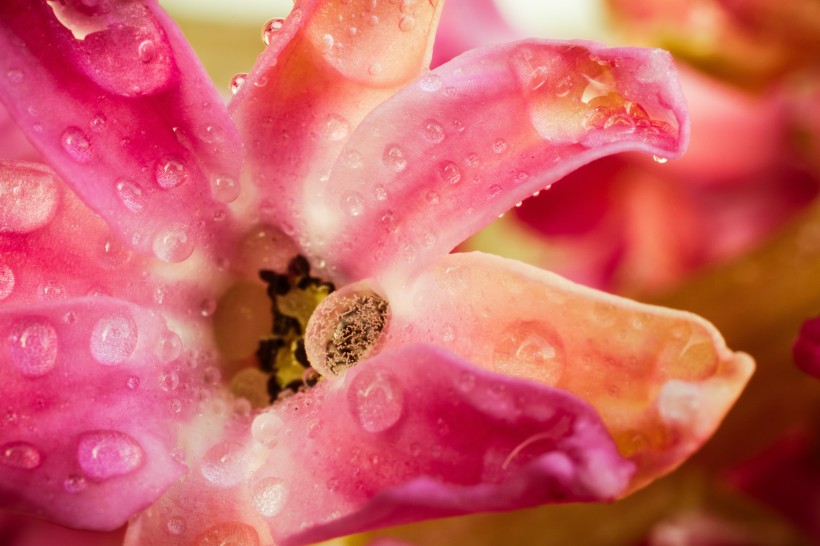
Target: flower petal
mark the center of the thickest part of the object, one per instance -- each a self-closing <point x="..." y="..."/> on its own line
<point x="444" y="157"/>
<point x="116" y="100"/>
<point x="93" y="395"/>
<point x="661" y="380"/>
<point x="806" y="350"/>
<point x="413" y="433"/>
<point x="467" y="24"/>
<point x="326" y="67"/>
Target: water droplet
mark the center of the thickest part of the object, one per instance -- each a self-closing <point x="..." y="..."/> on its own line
<point x="51" y="291"/>
<point x="336" y="128"/>
<point x="104" y="454"/>
<point x="563" y="87"/>
<point x="130" y="195"/>
<point x="32" y="346"/>
<point x="529" y="350"/>
<point x="620" y="123"/>
<point x="393" y="158"/>
<point x="374" y="69"/>
<point x="225" y="189"/>
<point x="495" y="190"/>
<point x="433" y="131"/>
<point x="376" y="399"/>
<point x="353" y="204"/>
<point x="224" y="464"/>
<point x="354" y="159"/>
<point x="169" y="381"/>
<point x="147" y="51"/>
<point x="327" y="43"/>
<point x="472" y="159"/>
<point x="20" y="455"/>
<point x="380" y="192"/>
<point x="500" y="146"/>
<point x="175" y="525"/>
<point x="655" y="158"/>
<point x="98" y="123"/>
<point x="237" y="82"/>
<point x="407" y="23"/>
<point x="170" y="173"/>
<point x="267" y="428"/>
<point x="449" y="172"/>
<point x="113" y="338"/>
<point x="430" y="82"/>
<point x="76" y="145"/>
<point x="15" y="75"/>
<point x="207" y="307"/>
<point x="74" y="484"/>
<point x="173" y="243"/>
<point x="432" y="197"/>
<point x="133" y="382"/>
<point x="271" y="29"/>
<point x="6" y="281"/>
<point x="269" y="496"/>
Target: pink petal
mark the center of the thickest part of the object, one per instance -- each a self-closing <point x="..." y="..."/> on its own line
<point x="444" y="157"/>
<point x="806" y="350"/>
<point x="661" y="380"/>
<point x="324" y="70"/>
<point x="93" y="392"/>
<point x="19" y="530"/>
<point x="468" y="24"/>
<point x="13" y="143"/>
<point x="113" y="96"/>
<point x="413" y="433"/>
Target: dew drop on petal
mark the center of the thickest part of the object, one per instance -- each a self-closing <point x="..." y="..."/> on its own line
<point x="495" y="190"/>
<point x="407" y="23"/>
<point x="500" y="146"/>
<point x="237" y="81"/>
<point x="170" y="173"/>
<point x="104" y="454"/>
<point x="76" y="145"/>
<point x="113" y="338"/>
<point x="353" y="204"/>
<point x="74" y="484"/>
<point x="376" y="399"/>
<point x="147" y="51"/>
<point x="529" y="350"/>
<point x="430" y="82"/>
<point x="266" y="428"/>
<point x="20" y="455"/>
<point x="449" y="172"/>
<point x="32" y="346"/>
<point x="15" y="75"/>
<point x="433" y="131"/>
<point x="336" y="128"/>
<point x="393" y="158"/>
<point x="169" y="381"/>
<point x="133" y="382"/>
<point x="173" y="243"/>
<point x="659" y="159"/>
<point x="7" y="281"/>
<point x="27" y="202"/>
<point x="269" y="496"/>
<point x="224" y="464"/>
<point x="130" y="195"/>
<point x="271" y="28"/>
<point x="175" y="525"/>
<point x="225" y="189"/>
<point x="98" y="123"/>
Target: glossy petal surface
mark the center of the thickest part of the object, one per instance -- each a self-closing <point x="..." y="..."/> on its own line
<point x="661" y="380"/>
<point x="390" y="443"/>
<point x="92" y="410"/>
<point x="99" y="91"/>
<point x="446" y="155"/>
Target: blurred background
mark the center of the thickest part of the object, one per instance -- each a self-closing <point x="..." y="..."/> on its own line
<point x="731" y="232"/>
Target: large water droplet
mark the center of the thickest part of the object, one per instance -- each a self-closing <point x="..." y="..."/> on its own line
<point x="430" y="82"/>
<point x="20" y="455"/>
<point x="104" y="454"/>
<point x="269" y="496"/>
<point x="28" y="200"/>
<point x="433" y="131"/>
<point x="376" y="399"/>
<point x="32" y="346"/>
<point x="266" y="428"/>
<point x="237" y="82"/>
<point x="113" y="338"/>
<point x="147" y="51"/>
<point x="393" y="158"/>
<point x="224" y="464"/>
<point x="173" y="243"/>
<point x="271" y="29"/>
<point x="169" y="347"/>
<point x="130" y="195"/>
<point x="6" y="281"/>
<point x="170" y="173"/>
<point x="76" y="145"/>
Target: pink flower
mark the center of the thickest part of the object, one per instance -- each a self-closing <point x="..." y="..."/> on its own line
<point x="453" y="383"/>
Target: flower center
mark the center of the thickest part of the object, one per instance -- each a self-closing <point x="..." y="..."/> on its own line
<point x="294" y="296"/>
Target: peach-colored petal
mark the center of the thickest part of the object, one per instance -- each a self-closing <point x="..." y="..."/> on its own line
<point x="100" y="92"/>
<point x="662" y="380"/>
<point x="413" y="433"/>
<point x="326" y="66"/>
<point x="445" y="156"/>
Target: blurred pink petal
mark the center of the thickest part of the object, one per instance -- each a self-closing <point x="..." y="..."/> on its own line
<point x="806" y="350"/>
<point x="18" y="530"/>
<point x="468" y="24"/>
